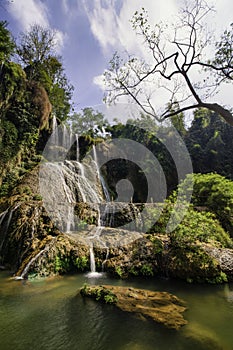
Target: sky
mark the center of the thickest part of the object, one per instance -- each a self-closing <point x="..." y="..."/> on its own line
<point x="88" y="32"/>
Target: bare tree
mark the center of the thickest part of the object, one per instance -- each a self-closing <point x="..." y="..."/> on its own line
<point x="173" y="64"/>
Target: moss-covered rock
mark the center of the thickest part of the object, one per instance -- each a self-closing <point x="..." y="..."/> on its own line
<point x="160" y="307"/>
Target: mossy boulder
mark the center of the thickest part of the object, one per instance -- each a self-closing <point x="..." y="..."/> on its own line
<point x="159" y="307"/>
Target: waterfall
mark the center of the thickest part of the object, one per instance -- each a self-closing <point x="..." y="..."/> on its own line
<point x="69" y="182"/>
<point x="77" y="147"/>
<point x="66" y="138"/>
<point x="106" y="258"/>
<point x="92" y="259"/>
<point x="54" y="136"/>
<point x="7" y="225"/>
<point x="32" y="261"/>
<point x="2" y="215"/>
<point x="100" y="176"/>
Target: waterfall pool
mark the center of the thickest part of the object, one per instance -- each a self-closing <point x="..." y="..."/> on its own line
<point x="48" y="314"/>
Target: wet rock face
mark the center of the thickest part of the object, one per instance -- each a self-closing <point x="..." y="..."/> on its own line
<point x="160" y="307"/>
<point x="30" y="243"/>
<point x="225" y="259"/>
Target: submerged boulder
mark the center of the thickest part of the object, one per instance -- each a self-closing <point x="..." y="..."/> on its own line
<point x="160" y="307"/>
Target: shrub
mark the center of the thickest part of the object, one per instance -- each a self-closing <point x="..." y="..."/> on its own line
<point x="147" y="270"/>
<point x="215" y="192"/>
<point x="81" y="263"/>
<point x="200" y="227"/>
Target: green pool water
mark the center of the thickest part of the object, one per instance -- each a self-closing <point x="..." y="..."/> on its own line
<point x="48" y="314"/>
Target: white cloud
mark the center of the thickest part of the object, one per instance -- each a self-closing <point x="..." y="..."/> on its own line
<point x="60" y="39"/>
<point x="65" y="6"/>
<point x="113" y="29"/>
<point x="29" y="12"/>
<point x="103" y="22"/>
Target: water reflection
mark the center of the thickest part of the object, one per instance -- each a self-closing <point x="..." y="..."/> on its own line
<point x="49" y="314"/>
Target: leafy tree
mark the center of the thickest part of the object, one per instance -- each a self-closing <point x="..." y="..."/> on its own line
<point x="223" y="61"/>
<point x="36" y="45"/>
<point x="210" y="143"/>
<point x="7" y="45"/>
<point x="87" y="122"/>
<point x="171" y="65"/>
<point x="214" y="192"/>
<point x="36" y="50"/>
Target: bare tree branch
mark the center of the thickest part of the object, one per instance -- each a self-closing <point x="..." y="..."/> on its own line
<point x="177" y="58"/>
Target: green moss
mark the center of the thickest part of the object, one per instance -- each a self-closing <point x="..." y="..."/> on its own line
<point x="99" y="293"/>
<point x="118" y="271"/>
<point x="147" y="270"/>
<point x="62" y="264"/>
<point x="37" y="197"/>
<point x="193" y="264"/>
<point x="133" y="271"/>
<point x="81" y="263"/>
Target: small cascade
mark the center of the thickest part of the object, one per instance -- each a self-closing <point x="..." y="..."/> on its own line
<point x="92" y="259"/>
<point x="54" y="136"/>
<point x="66" y="138"/>
<point x="106" y="258"/>
<point x="100" y="176"/>
<point x="2" y="215"/>
<point x="93" y="273"/>
<point x="77" y="147"/>
<point x="32" y="261"/>
<point x="7" y="225"/>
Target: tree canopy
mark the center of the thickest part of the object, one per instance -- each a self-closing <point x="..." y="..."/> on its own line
<point x="36" y="51"/>
<point x="6" y="43"/>
<point x="88" y="121"/>
<point x="173" y="63"/>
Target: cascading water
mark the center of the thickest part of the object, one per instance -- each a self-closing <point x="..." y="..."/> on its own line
<point x="101" y="178"/>
<point x="77" y="147"/>
<point x="92" y="259"/>
<point x="69" y="182"/>
<point x="5" y="221"/>
<point x="33" y="260"/>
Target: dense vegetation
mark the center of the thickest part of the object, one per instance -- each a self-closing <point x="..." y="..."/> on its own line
<point x="29" y="93"/>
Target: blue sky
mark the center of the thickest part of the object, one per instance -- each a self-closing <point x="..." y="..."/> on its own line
<point x="90" y="31"/>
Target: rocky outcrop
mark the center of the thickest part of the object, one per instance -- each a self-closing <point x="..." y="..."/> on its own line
<point x="160" y="307"/>
<point x="224" y="257"/>
<point x="30" y="241"/>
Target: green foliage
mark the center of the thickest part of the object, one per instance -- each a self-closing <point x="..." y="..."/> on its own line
<point x="82" y="263"/>
<point x="13" y="83"/>
<point x="224" y="54"/>
<point x="62" y="264"/>
<point x="210" y="143"/>
<point x="146" y="270"/>
<point x="195" y="265"/>
<point x="99" y="293"/>
<point x="199" y="227"/>
<point x="133" y="271"/>
<point x="119" y="272"/>
<point x="157" y="244"/>
<point x="37" y="197"/>
<point x="151" y="215"/>
<point x="7" y="45"/>
<point x="87" y="122"/>
<point x="36" y="50"/>
<point x="214" y="192"/>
